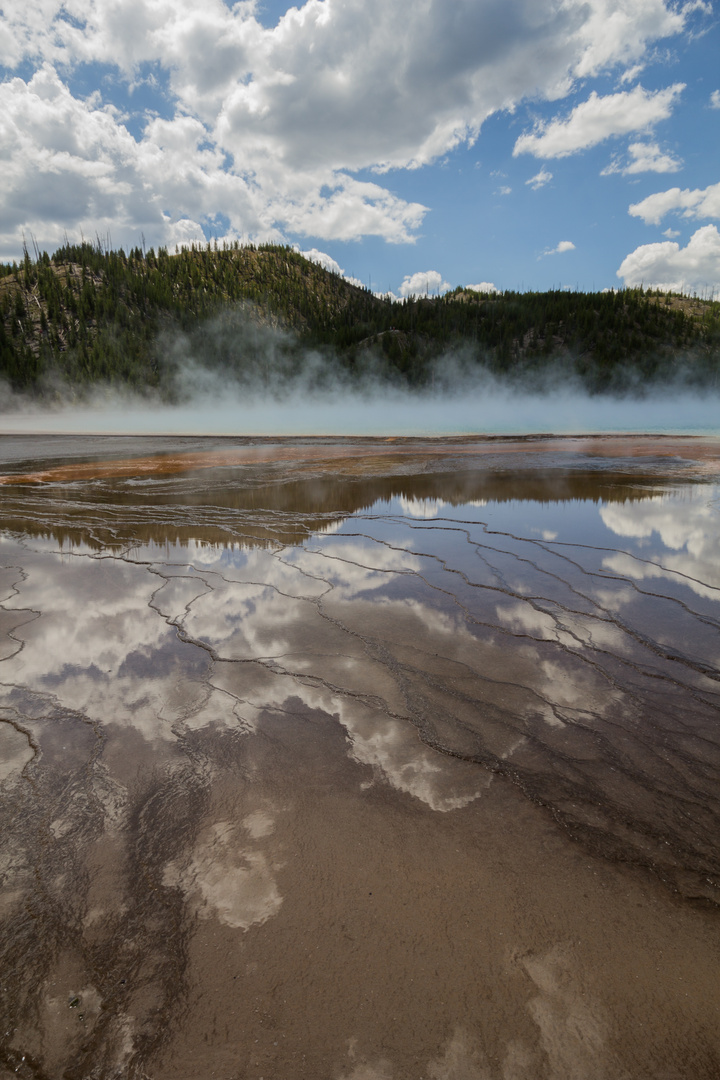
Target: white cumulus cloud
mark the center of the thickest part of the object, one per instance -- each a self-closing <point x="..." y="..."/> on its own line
<point x="563" y="246"/>
<point x="268" y="126"/>
<point x="667" y="266"/>
<point x="644" y="157"/>
<point x="697" y="203"/>
<point x="715" y="99"/>
<point x="598" y="119"/>
<point x="483" y="287"/>
<point x="424" y="282"/>
<point x="539" y="179"/>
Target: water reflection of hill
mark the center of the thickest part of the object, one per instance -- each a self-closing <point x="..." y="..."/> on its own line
<point x="253" y="508"/>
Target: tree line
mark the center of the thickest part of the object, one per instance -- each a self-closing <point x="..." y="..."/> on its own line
<point x="87" y="315"/>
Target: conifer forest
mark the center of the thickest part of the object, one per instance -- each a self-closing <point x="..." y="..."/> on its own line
<point x="88" y="315"/>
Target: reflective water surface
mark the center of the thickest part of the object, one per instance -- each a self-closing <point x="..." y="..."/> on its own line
<point x="360" y="760"/>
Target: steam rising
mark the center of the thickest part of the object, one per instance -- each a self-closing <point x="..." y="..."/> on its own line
<point x="239" y="376"/>
<point x="399" y="414"/>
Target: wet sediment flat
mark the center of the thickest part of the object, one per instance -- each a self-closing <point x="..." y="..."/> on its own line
<point x="360" y="760"/>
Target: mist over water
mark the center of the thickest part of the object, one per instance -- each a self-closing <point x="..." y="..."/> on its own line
<point x="477" y="411"/>
<point x="235" y="375"/>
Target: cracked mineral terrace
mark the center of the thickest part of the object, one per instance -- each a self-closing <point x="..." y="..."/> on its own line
<point x="360" y="760"/>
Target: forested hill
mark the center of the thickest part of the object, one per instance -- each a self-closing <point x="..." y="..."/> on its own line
<point x="85" y="316"/>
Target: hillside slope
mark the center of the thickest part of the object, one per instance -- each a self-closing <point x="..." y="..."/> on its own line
<point x="86" y="316"/>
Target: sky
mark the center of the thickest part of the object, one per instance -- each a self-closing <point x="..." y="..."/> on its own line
<point x="413" y="146"/>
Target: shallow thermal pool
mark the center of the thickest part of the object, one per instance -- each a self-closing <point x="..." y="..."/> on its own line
<point x="361" y="760"/>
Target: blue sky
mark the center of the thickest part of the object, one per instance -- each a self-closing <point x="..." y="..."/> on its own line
<point x="524" y="144"/>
